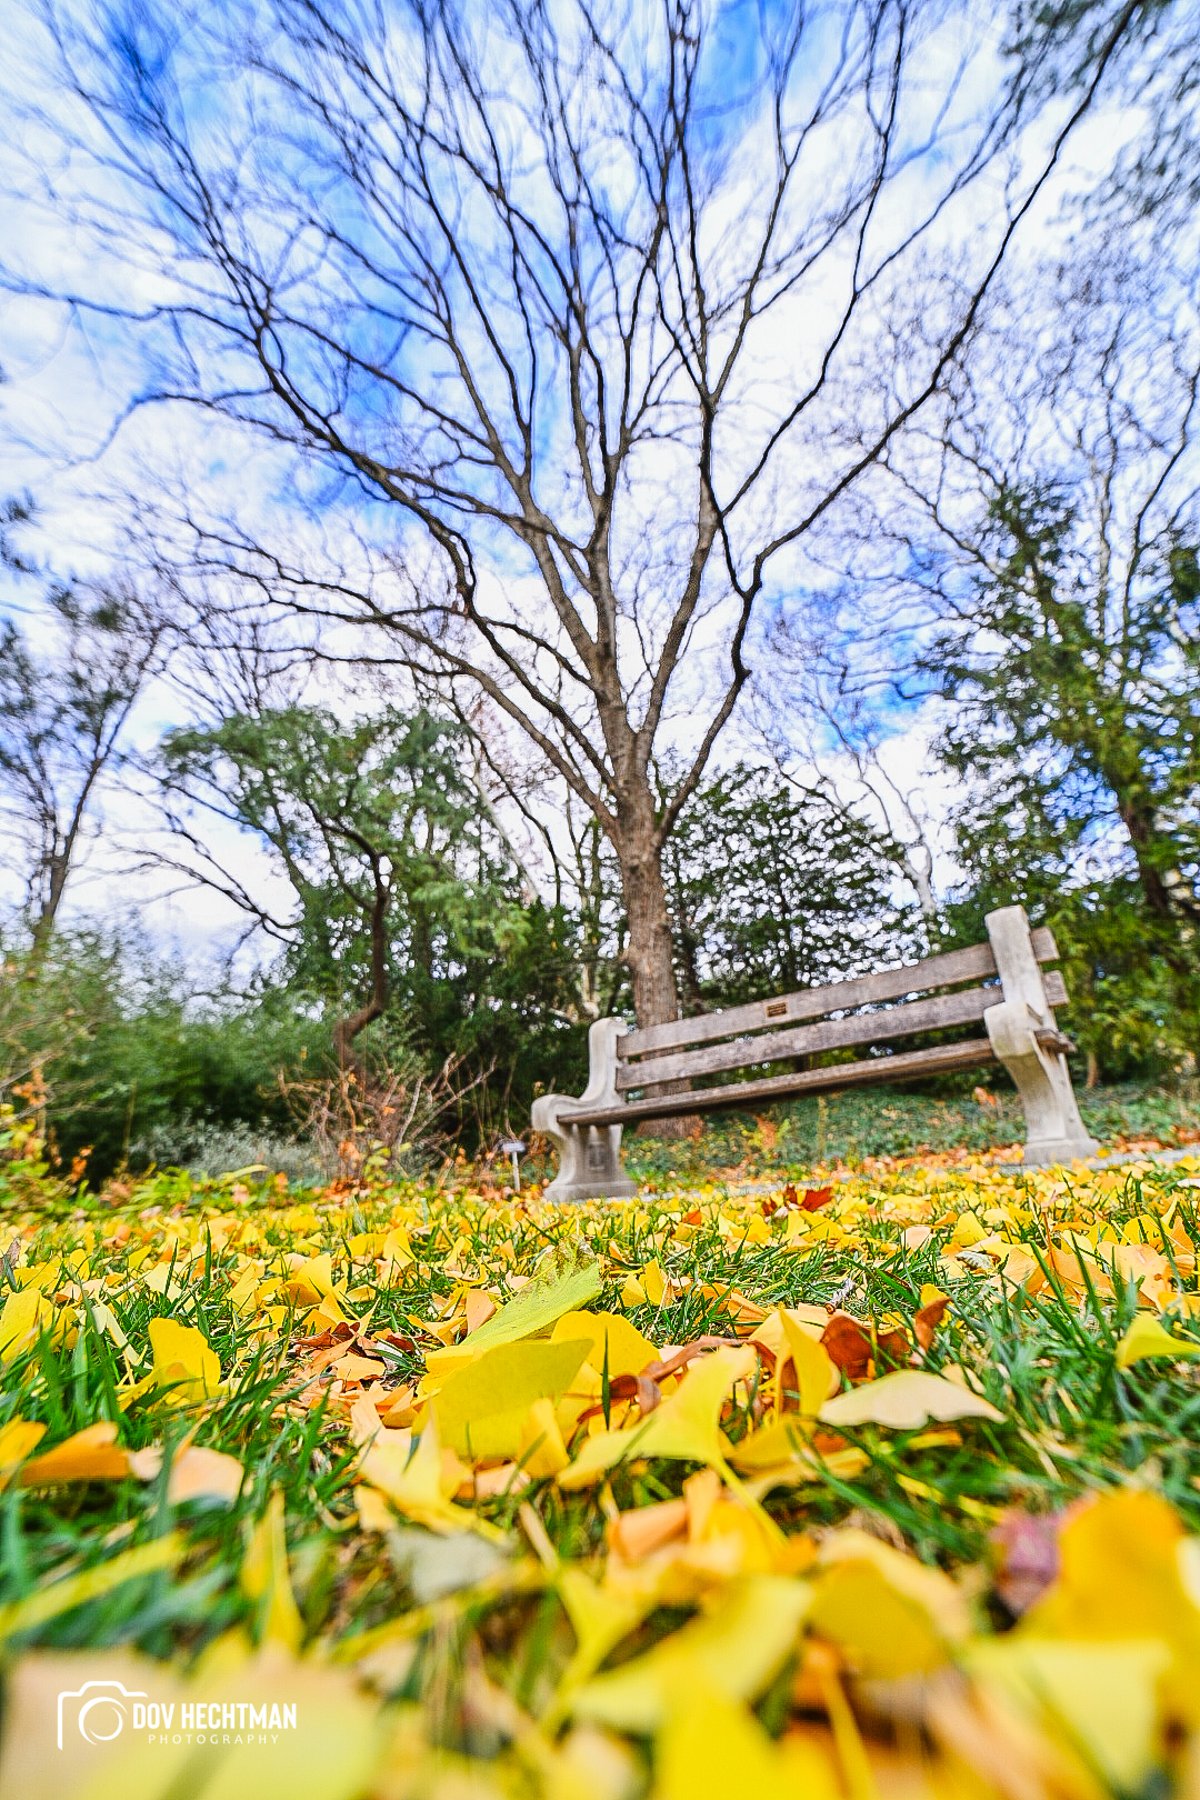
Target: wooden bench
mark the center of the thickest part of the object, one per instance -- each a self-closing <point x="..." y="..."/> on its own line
<point x="1000" y="984"/>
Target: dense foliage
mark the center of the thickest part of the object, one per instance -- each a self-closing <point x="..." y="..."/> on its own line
<point x="775" y="888"/>
<point x="1076" y="727"/>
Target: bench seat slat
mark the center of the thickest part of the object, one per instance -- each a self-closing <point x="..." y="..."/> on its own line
<point x="904" y="1065"/>
<point x="940" y="1011"/>
<point x="973" y="964"/>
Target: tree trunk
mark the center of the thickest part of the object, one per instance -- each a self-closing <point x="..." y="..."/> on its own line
<point x="1164" y="889"/>
<point x="1139" y="821"/>
<point x="346" y="1029"/>
<point x="649" y="952"/>
<point x="43" y="925"/>
<point x="58" y="873"/>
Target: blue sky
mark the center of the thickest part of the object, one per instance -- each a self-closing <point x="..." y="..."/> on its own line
<point x="72" y="375"/>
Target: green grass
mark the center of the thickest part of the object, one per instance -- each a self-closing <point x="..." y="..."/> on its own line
<point x="1073" y="1422"/>
<point x="850" y="1126"/>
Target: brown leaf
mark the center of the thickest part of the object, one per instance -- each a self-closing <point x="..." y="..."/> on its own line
<point x="336" y="1334"/>
<point x="927" y="1320"/>
<point x="848" y="1346"/>
<point x="398" y="1340"/>
<point x="892" y="1345"/>
<point x="1027" y="1557"/>
<point x="815" y="1198"/>
<point x="660" y="1370"/>
<point x="641" y="1388"/>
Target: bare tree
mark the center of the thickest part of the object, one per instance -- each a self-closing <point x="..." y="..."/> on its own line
<point x="63" y="718"/>
<point x="562" y="297"/>
<point x="1045" y="522"/>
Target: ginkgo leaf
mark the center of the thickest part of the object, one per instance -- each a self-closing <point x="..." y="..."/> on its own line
<point x="713" y="1748"/>
<point x="185" y="1366"/>
<point x="198" y="1473"/>
<point x="411" y="1476"/>
<point x="541" y="1447"/>
<point x="735" y="1648"/>
<point x="656" y="1286"/>
<point x="600" y="1617"/>
<point x="848" y="1345"/>
<point x="265" y="1579"/>
<point x="781" y="1455"/>
<point x="397" y="1249"/>
<point x="1148" y="1337"/>
<point x="932" y="1311"/>
<point x="358" y="1368"/>
<point x="478" y="1308"/>
<point x="311" y="1280"/>
<point x="684" y="1428"/>
<point x="1102" y="1699"/>
<point x="815" y="1375"/>
<point x="535" y="1309"/>
<point x="92" y="1454"/>
<point x="906" y="1399"/>
<point x="17" y="1439"/>
<point x="312" y="1287"/>
<point x="482" y="1409"/>
<point x="23" y="1317"/>
<point x="105" y="1320"/>
<point x="1121" y="1575"/>
<point x="245" y="1289"/>
<point x="643" y="1529"/>
<point x="614" y="1344"/>
<point x="890" y="1615"/>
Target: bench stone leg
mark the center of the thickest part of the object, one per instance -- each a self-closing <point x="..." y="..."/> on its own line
<point x="1054" y="1131"/>
<point x="589" y="1155"/>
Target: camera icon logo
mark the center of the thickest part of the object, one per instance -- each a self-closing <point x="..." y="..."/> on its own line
<point x="98" y="1708"/>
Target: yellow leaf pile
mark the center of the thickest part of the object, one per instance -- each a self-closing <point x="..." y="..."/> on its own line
<point x="870" y="1487"/>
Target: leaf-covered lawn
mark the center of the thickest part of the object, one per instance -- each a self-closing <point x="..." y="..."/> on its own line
<point x="886" y="1487"/>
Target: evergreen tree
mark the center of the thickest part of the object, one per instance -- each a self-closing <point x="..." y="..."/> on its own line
<point x="774" y="888"/>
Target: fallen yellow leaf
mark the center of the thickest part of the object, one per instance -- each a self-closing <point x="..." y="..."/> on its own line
<point x="890" y="1615"/>
<point x="713" y="1748"/>
<point x="17" y="1439"/>
<point x="265" y="1578"/>
<point x="906" y="1399"/>
<point x="482" y="1409"/>
<point x="198" y="1473"/>
<point x="684" y="1428"/>
<point x="92" y="1454"/>
<point x="185" y="1366"/>
<point x="23" y="1317"/>
<point x="414" y="1478"/>
<point x="1147" y="1337"/>
<point x="610" y="1336"/>
<point x="734" y="1649"/>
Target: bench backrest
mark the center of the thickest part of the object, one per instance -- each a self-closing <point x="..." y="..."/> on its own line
<point x="843" y="1015"/>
